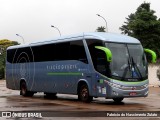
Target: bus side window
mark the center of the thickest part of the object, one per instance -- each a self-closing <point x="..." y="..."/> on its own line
<point x="62" y="51"/>
<point x="77" y="51"/>
<point x="101" y="64"/>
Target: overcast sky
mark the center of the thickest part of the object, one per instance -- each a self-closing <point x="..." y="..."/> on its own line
<point x="32" y="19"/>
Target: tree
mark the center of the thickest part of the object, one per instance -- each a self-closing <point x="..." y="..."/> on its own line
<point x="145" y="26"/>
<point x="101" y="29"/>
<point x="3" y="46"/>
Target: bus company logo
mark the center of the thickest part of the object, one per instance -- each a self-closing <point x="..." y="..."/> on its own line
<point x="61" y="67"/>
<point x="6" y="114"/>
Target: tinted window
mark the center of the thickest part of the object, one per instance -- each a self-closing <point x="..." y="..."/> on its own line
<point x="44" y="52"/>
<point x="62" y="51"/>
<point x="20" y="55"/>
<point x="91" y="45"/>
<point x="10" y="55"/>
<point x="50" y="52"/>
<point x="77" y="51"/>
<point x="98" y="57"/>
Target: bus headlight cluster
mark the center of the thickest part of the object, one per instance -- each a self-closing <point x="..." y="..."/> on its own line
<point x="114" y="85"/>
<point x="144" y="86"/>
<point x="127" y="87"/>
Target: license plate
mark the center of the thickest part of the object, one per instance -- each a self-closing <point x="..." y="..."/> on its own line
<point x="132" y="93"/>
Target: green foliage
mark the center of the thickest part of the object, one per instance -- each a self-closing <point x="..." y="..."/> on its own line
<point x="3" y="46"/>
<point x="101" y="29"/>
<point x="145" y="26"/>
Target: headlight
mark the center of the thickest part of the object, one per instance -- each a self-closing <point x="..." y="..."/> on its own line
<point x="145" y="86"/>
<point x="114" y="85"/>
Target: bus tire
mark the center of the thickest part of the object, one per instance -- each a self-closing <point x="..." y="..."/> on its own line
<point x="83" y="94"/>
<point x="118" y="100"/>
<point x="23" y="90"/>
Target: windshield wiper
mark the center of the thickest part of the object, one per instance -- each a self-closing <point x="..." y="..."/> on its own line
<point x="126" y="69"/>
<point x="131" y="66"/>
<point x="136" y="68"/>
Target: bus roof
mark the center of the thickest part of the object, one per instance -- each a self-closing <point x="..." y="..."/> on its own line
<point x="108" y="37"/>
<point x="111" y="37"/>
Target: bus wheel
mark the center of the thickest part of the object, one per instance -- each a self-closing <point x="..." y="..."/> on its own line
<point x="24" y="92"/>
<point x="83" y="94"/>
<point x="118" y="100"/>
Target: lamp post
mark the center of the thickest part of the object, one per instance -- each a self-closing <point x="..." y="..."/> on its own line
<point x="104" y="20"/>
<point x="56" y="29"/>
<point x="21" y="37"/>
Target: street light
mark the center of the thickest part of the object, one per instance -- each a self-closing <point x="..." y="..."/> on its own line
<point x="57" y="29"/>
<point x="21" y="37"/>
<point x="104" y="20"/>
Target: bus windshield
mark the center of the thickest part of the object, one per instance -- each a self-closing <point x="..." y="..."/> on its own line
<point x="128" y="62"/>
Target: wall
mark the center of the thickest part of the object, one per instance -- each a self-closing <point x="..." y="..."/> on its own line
<point x="152" y="72"/>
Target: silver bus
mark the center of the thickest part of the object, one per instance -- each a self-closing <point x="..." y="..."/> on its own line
<point x="89" y="65"/>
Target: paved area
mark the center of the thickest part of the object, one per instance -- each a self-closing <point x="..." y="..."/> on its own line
<point x="11" y="101"/>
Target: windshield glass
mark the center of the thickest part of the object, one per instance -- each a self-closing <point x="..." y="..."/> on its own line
<point x="128" y="61"/>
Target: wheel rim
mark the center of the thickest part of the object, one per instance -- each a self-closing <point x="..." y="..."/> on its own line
<point x="84" y="93"/>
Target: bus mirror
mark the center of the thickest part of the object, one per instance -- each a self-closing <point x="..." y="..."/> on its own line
<point x="107" y="51"/>
<point x="153" y="54"/>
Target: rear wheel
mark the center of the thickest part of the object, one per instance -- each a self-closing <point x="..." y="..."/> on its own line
<point x="23" y="90"/>
<point x="118" y="100"/>
<point x="83" y="94"/>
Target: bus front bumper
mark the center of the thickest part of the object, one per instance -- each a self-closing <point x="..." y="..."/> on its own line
<point x="127" y="91"/>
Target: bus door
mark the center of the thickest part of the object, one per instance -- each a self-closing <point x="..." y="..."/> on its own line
<point x="102" y="66"/>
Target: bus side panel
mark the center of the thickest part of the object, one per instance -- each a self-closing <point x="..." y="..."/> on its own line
<point x="52" y="77"/>
<point x="10" y="82"/>
<point x="17" y="72"/>
<point x="59" y="76"/>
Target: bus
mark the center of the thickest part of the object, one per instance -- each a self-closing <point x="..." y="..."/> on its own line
<point x="89" y="65"/>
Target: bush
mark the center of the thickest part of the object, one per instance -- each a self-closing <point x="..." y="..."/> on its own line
<point x="1" y="73"/>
